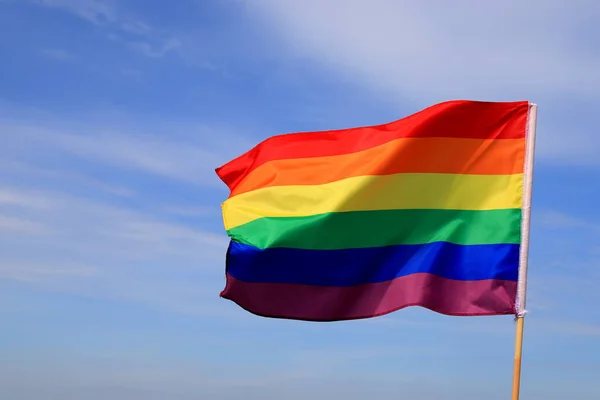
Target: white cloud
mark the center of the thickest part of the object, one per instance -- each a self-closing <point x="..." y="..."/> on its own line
<point x="190" y="211"/>
<point x="95" y="11"/>
<point x="133" y="74"/>
<point x="429" y="51"/>
<point x="37" y="273"/>
<point x="183" y="161"/>
<point x="10" y="225"/>
<point x="559" y="220"/>
<point x="137" y="27"/>
<point x="66" y="228"/>
<point x="189" y="158"/>
<point x="440" y="49"/>
<point x="122" y="231"/>
<point x="117" y="377"/>
<point x="47" y="173"/>
<point x="58" y="54"/>
<point x="101" y="250"/>
<point x="14" y="198"/>
<point x="573" y="328"/>
<point x="157" y="51"/>
<point x="108" y="15"/>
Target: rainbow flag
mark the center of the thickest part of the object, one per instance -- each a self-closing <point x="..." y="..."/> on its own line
<point x="355" y="223"/>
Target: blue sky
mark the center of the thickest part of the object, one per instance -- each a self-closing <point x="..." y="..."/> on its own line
<point x="113" y="116"/>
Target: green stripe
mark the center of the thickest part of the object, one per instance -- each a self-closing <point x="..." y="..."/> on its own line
<point x="360" y="229"/>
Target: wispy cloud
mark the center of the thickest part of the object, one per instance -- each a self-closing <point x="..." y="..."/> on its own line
<point x="569" y="328"/>
<point x="154" y="48"/>
<point x="119" y="377"/>
<point x="133" y="74"/>
<point x="58" y="54"/>
<point x="406" y="49"/>
<point x="184" y="157"/>
<point x="95" y="11"/>
<point x="137" y="27"/>
<point x="65" y="227"/>
<point x="178" y="160"/>
<point x="156" y="51"/>
<point x="109" y="251"/>
<point x="13" y="198"/>
<point x="553" y="219"/>
<point x="127" y="233"/>
<point x="11" y="225"/>
<point x="38" y="273"/>
<point x="409" y="52"/>
<point x="120" y="25"/>
<point x="50" y="174"/>
<point x="189" y="211"/>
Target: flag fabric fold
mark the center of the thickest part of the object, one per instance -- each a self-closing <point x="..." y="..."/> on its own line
<point x="356" y="223"/>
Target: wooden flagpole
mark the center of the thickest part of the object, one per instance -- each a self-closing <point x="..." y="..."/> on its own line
<point x="524" y="253"/>
<point x="518" y="352"/>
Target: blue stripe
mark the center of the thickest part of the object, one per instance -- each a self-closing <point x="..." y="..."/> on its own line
<point x="351" y="267"/>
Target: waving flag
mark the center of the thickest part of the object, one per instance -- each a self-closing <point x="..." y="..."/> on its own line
<point x="355" y="223"/>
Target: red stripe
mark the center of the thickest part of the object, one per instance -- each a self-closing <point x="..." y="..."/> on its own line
<point x="325" y="303"/>
<point x="453" y="119"/>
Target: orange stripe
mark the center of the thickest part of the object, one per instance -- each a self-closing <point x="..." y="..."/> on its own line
<point x="410" y="155"/>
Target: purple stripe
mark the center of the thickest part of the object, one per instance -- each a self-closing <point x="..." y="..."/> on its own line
<point x="318" y="303"/>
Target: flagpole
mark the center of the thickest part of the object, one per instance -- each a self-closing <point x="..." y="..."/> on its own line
<point x="524" y="251"/>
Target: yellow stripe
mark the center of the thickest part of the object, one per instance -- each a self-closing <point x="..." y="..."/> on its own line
<point x="388" y="192"/>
